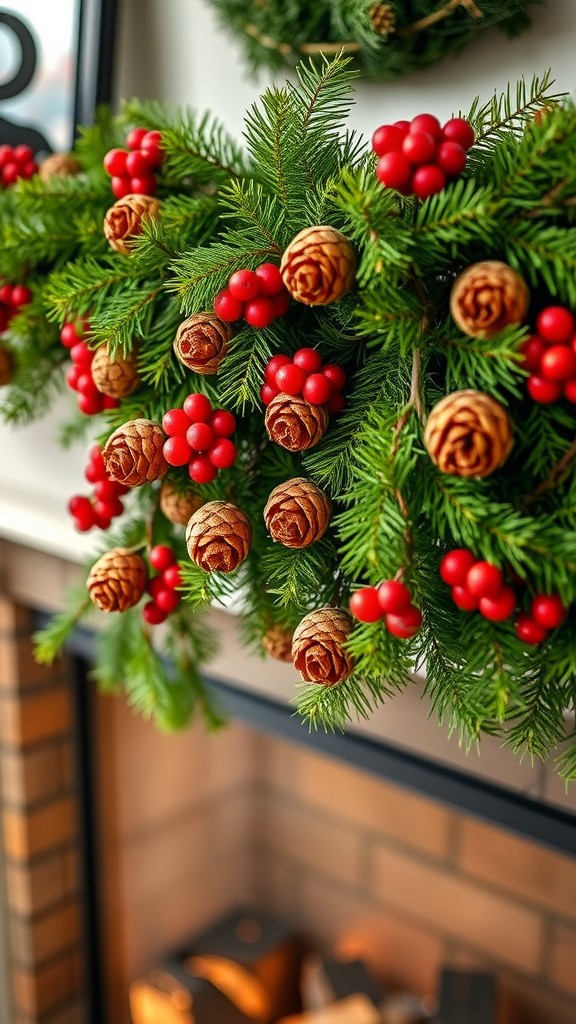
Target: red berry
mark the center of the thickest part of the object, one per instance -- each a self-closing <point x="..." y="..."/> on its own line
<point x="152" y="614"/>
<point x="260" y="312"/>
<point x="81" y="354"/>
<point x="154" y="586"/>
<point x="175" y="422"/>
<point x="105" y="489"/>
<point x="145" y="185"/>
<point x="484" y="580"/>
<point x="90" y="405"/>
<point x="428" y="180"/>
<point x="558" y="363"/>
<point x="86" y="385"/>
<point x="365" y="606"/>
<point x="457" y="129"/>
<point x="548" y="610"/>
<point x="172" y="577"/>
<point x="167" y="600"/>
<point x="244" y="285"/>
<point x="427" y="123"/>
<point x="570" y="391"/>
<point x="223" y="453"/>
<point x="272" y="367"/>
<point x="335" y="403"/>
<point x="463" y="599"/>
<point x="69" y="335"/>
<point x="406" y="625"/>
<point x="85" y="518"/>
<point x="336" y="375"/>
<point x="419" y="147"/>
<point x="317" y="389"/>
<point x="135" y="136"/>
<point x="29" y="169"/>
<point x="290" y="379"/>
<point x="499" y="607"/>
<point x="6" y="294"/>
<point x="109" y="509"/>
<point x="136" y="164"/>
<point x="79" y="504"/>
<point x="115" y="163"/>
<point x="223" y="423"/>
<point x="97" y="461"/>
<point x="555" y="324"/>
<point x="176" y="451"/>
<point x="161" y="556"/>
<point x="308" y="359"/>
<point x="451" y="157"/>
<point x="281" y="303"/>
<point x="23" y="154"/>
<point x="198" y="408"/>
<point x="152" y="144"/>
<point x="394" y="597"/>
<point x="528" y="630"/>
<point x="227" y="307"/>
<point x="532" y="351"/>
<point x="6" y="155"/>
<point x="388" y="138"/>
<point x="455" y="566"/>
<point x="270" y="279"/>
<point x="92" y="475"/>
<point x="199" y="436"/>
<point x="10" y="173"/>
<point x="394" y="170"/>
<point x="267" y="393"/>
<point x="404" y="126"/>
<point x="21" y="295"/>
<point x="121" y="187"/>
<point x="201" y="470"/>
<point x="543" y="391"/>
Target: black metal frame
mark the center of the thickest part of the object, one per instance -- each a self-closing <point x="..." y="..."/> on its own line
<point x="95" y="66"/>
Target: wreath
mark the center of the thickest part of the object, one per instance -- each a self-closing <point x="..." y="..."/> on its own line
<point x="385" y="40"/>
<point x="335" y="382"/>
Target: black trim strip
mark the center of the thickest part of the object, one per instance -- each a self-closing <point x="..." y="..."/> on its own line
<point x="95" y="67"/>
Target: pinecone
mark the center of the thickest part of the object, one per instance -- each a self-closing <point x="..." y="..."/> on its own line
<point x="116" y="377"/>
<point x="124" y="220"/>
<point x="319" y="265"/>
<point x="202" y="342"/>
<point x="383" y="19"/>
<point x="297" y="513"/>
<point x="178" y="505"/>
<point x="133" y="453"/>
<point x="294" y="423"/>
<point x="218" y="537"/>
<point x="318" y="650"/>
<point x="468" y="433"/>
<point x="487" y="297"/>
<point x="118" y="580"/>
<point x="59" y="165"/>
<point x="277" y="642"/>
<point x="6" y="365"/>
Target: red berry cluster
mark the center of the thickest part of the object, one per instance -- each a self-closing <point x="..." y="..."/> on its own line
<point x="392" y="601"/>
<point x="550" y="356"/>
<point x="12" y="298"/>
<point x="162" y="587"/>
<point x="105" y="504"/>
<point x="305" y="374"/>
<point x="417" y="157"/>
<point x="16" y="162"/>
<point x="199" y="436"/>
<point x="479" y="586"/>
<point x="79" y="375"/>
<point x="132" y="169"/>
<point x="258" y="296"/>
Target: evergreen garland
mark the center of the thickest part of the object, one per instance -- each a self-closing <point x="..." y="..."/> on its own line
<point x="384" y="39"/>
<point x="394" y="511"/>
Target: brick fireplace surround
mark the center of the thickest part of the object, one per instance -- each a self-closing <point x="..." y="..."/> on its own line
<point x="359" y="864"/>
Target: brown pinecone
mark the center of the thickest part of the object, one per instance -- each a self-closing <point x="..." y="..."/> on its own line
<point x="133" y="453"/>
<point x="6" y="365"/>
<point x="297" y="513"/>
<point x="218" y="537"/>
<point x="294" y="423"/>
<point x="383" y="19"/>
<point x="118" y="580"/>
<point x="59" y="165"/>
<point x="487" y="297"/>
<point x="277" y="642"/>
<point x="124" y="220"/>
<point x="178" y="505"/>
<point x="319" y="265"/>
<point x="318" y="646"/>
<point x="468" y="433"/>
<point x="116" y="377"/>
<point x="202" y="342"/>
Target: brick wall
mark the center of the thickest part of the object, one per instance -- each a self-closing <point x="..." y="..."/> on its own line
<point x="40" y="832"/>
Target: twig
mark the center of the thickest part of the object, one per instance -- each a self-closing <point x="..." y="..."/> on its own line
<point x="555" y="477"/>
<point x="443" y="12"/>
